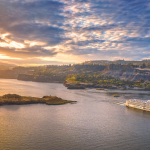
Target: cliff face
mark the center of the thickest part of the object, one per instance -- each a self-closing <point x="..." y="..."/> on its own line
<point x="8" y="74"/>
<point x="12" y="73"/>
<point x="25" y="77"/>
<point x="42" y="78"/>
<point x="132" y="76"/>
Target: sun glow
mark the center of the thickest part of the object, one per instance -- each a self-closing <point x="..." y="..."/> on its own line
<point x="64" y="58"/>
<point x="7" y="57"/>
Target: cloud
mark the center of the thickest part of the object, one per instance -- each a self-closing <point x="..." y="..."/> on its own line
<point x="28" y="52"/>
<point x="79" y="27"/>
<point x="3" y="41"/>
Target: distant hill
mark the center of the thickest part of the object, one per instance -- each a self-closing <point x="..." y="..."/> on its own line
<point x="5" y="66"/>
<point x="90" y="71"/>
<point x="122" y="62"/>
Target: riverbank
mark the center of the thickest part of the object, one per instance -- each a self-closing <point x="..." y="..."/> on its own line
<point x="82" y="85"/>
<point x="14" y="99"/>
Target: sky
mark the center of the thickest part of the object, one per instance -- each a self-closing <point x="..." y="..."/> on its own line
<point x="36" y="32"/>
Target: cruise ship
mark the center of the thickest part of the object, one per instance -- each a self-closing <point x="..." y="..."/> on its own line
<point x="139" y="104"/>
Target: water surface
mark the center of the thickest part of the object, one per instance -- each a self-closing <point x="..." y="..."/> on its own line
<point x="97" y="121"/>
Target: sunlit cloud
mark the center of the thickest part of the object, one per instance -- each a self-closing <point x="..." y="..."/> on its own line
<point x="7" y="57"/>
<point x="12" y="44"/>
<point x="74" y="30"/>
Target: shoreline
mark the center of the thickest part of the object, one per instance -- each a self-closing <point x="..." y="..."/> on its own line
<point x="100" y="87"/>
<point x="86" y="85"/>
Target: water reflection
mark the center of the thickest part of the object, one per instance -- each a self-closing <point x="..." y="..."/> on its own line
<point x="11" y="107"/>
<point x="139" y="111"/>
<point x="97" y="121"/>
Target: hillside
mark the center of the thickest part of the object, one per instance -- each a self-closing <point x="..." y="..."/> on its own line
<point x="85" y="73"/>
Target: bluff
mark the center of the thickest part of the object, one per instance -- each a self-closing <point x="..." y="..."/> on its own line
<point x="40" y="78"/>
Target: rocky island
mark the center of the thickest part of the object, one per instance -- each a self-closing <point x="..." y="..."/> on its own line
<point x="14" y="99"/>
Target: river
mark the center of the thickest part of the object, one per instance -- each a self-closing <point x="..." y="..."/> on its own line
<point x="98" y="121"/>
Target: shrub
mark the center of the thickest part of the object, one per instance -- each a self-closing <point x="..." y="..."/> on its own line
<point x="11" y="96"/>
